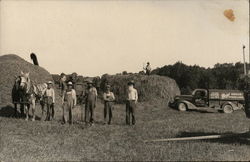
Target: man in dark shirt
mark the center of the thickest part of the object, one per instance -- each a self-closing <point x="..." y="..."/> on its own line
<point x="63" y="85"/>
<point x="90" y="103"/>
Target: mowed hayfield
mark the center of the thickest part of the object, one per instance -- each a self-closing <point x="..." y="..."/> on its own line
<point x="48" y="141"/>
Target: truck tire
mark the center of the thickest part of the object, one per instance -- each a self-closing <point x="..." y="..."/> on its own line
<point x="228" y="109"/>
<point x="182" y="106"/>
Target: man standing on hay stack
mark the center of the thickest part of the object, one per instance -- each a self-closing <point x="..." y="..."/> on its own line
<point x="148" y="69"/>
<point x="132" y="97"/>
<point x="90" y="103"/>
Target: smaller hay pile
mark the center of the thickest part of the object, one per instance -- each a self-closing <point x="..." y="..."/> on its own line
<point x="153" y="88"/>
<point x="11" y="66"/>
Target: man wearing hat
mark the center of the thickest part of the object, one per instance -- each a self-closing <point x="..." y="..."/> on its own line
<point x="148" y="69"/>
<point x="62" y="84"/>
<point x="69" y="101"/>
<point x="49" y="100"/>
<point x="108" y="98"/>
<point x="90" y="103"/>
<point x="132" y="97"/>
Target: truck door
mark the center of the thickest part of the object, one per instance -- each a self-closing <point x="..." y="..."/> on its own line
<point x="200" y="98"/>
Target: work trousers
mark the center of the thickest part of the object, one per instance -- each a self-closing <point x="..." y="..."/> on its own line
<point x="89" y="111"/>
<point x="50" y="112"/>
<point x="50" y="108"/>
<point x="108" y="106"/>
<point x="67" y="109"/>
<point x="130" y="111"/>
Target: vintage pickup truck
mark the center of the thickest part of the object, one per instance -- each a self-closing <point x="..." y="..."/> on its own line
<point x="224" y="100"/>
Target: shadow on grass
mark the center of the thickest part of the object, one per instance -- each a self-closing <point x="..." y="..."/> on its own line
<point x="7" y="111"/>
<point x="227" y="138"/>
<point x="201" y="110"/>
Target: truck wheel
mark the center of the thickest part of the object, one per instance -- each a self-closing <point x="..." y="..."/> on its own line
<point x="228" y="109"/>
<point x="182" y="107"/>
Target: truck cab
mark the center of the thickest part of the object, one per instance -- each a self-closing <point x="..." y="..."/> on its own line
<point x="200" y="97"/>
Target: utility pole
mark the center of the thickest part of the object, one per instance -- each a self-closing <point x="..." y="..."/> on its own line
<point x="245" y="68"/>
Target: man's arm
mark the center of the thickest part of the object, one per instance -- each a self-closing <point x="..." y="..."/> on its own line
<point x="112" y="96"/>
<point x="96" y="95"/>
<point x="63" y="96"/>
<point x="74" y="97"/>
<point x="43" y="92"/>
<point x="136" y="96"/>
<point x="53" y="95"/>
<point x="105" y="97"/>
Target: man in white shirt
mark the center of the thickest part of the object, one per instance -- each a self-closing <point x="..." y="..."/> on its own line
<point x="49" y="99"/>
<point x="108" y="98"/>
<point x="132" y="98"/>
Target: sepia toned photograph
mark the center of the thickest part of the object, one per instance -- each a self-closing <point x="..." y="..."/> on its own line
<point x="124" y="80"/>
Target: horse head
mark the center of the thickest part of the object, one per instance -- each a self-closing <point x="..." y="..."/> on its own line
<point x="17" y="82"/>
<point x="24" y="83"/>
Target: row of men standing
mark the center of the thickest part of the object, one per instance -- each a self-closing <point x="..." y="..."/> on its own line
<point x="69" y="100"/>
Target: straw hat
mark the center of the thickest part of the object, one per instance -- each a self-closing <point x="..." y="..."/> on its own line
<point x="90" y="82"/>
<point x="49" y="82"/>
<point x="70" y="83"/>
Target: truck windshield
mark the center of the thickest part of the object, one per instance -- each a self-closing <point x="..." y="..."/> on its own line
<point x="199" y="93"/>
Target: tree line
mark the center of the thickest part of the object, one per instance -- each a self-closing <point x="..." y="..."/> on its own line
<point x="221" y="76"/>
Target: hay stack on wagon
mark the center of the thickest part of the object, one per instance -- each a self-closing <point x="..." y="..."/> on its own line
<point x="153" y="88"/>
<point x="11" y="66"/>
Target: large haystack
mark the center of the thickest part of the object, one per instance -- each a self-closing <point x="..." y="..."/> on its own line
<point x="151" y="88"/>
<point x="11" y="66"/>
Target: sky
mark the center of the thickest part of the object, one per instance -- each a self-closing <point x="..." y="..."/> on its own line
<point x="97" y="37"/>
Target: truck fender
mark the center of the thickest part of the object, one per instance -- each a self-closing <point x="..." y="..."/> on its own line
<point x="188" y="104"/>
<point x="234" y="106"/>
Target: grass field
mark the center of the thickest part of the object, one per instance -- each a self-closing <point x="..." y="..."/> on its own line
<point x="40" y="140"/>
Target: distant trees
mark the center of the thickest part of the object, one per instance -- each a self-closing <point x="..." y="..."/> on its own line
<point x="221" y="76"/>
<point x="124" y="73"/>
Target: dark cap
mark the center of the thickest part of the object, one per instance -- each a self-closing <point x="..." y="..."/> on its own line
<point x="131" y="82"/>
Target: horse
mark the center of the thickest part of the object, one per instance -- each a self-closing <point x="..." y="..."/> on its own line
<point x="26" y="93"/>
